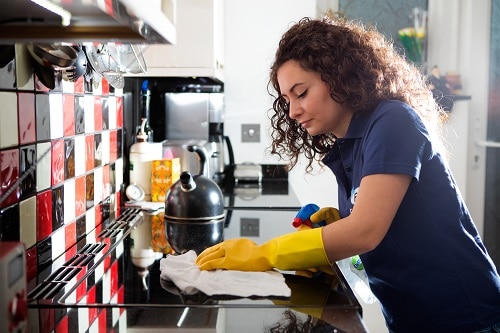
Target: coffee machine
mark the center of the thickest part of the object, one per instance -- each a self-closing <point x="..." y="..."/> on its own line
<point x="197" y="118"/>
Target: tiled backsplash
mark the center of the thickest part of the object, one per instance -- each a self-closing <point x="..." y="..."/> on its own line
<point x="64" y="147"/>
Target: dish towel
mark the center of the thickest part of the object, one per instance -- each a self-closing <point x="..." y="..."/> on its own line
<point x="185" y="274"/>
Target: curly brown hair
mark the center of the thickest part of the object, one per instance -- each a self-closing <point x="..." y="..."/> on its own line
<point x="360" y="66"/>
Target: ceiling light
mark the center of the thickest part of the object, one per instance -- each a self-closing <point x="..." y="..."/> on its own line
<point x="56" y="9"/>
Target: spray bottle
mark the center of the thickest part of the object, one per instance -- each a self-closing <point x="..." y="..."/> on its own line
<point x="141" y="154"/>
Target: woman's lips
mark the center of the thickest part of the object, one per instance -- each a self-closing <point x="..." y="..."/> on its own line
<point x="306" y="124"/>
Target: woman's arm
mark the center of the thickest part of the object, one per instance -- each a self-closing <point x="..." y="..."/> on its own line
<point x="376" y="204"/>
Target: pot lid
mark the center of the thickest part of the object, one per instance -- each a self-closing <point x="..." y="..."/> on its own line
<point x="194" y="197"/>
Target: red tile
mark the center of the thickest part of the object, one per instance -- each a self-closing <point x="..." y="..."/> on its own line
<point x="46" y="320"/>
<point x="81" y="290"/>
<point x="106" y="185"/>
<point x="80" y="206"/>
<point x="98" y="113"/>
<point x="79" y="85"/>
<point x="70" y="234"/>
<point x="26" y="115"/>
<point x="113" y="145"/>
<point x="93" y="312"/>
<point x="119" y="112"/>
<point x="9" y="174"/>
<point x="57" y="162"/>
<point x="89" y="152"/>
<point x="98" y="214"/>
<point x="63" y="325"/>
<point x="69" y="254"/>
<point x="102" y="327"/>
<point x="118" y="202"/>
<point x="105" y="87"/>
<point x="43" y="215"/>
<point x="69" y="114"/>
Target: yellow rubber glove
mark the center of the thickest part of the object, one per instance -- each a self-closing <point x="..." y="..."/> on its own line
<point x="293" y="251"/>
<point x="327" y="214"/>
<point x="323" y="215"/>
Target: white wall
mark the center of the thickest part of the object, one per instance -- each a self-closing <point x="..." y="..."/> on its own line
<point x="253" y="30"/>
<point x="461" y="43"/>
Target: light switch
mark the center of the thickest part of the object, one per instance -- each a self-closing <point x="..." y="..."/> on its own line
<point x="250" y="133"/>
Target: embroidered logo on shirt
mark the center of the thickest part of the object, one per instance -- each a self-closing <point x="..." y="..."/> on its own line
<point x="354" y="194"/>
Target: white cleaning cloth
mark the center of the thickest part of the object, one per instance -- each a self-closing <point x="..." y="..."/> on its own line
<point x="185" y="274"/>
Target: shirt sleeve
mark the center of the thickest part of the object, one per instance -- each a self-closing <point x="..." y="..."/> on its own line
<point x="395" y="142"/>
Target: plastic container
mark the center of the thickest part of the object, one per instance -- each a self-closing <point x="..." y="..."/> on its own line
<point x="355" y="275"/>
<point x="141" y="154"/>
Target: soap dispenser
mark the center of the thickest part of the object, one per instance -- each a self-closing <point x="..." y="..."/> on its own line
<point x="141" y="154"/>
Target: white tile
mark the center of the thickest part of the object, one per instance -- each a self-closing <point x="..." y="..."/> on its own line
<point x="79" y="155"/>
<point x="8" y="120"/>
<point x="68" y="86"/>
<point x="69" y="201"/>
<point x="90" y="222"/>
<point x="27" y="218"/>
<point x="118" y="174"/>
<point x="83" y="319"/>
<point x="58" y="243"/>
<point x="44" y="165"/>
<point x="56" y="116"/>
<point x="24" y="68"/>
<point x="88" y="103"/>
<point x="98" y="184"/>
<point x="105" y="147"/>
<point x="112" y="112"/>
<point x="106" y="286"/>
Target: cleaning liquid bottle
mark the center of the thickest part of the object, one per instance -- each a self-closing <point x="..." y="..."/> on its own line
<point x="141" y="154"/>
<point x="145" y="107"/>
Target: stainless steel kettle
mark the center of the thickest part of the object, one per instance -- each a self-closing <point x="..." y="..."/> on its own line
<point x="194" y="211"/>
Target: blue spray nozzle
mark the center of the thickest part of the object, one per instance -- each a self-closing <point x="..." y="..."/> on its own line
<point x="304" y="214"/>
<point x="145" y="85"/>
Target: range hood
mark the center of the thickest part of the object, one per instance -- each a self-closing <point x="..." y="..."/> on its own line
<point x="130" y="21"/>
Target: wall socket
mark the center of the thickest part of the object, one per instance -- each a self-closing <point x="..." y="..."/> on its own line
<point x="249" y="227"/>
<point x="250" y="133"/>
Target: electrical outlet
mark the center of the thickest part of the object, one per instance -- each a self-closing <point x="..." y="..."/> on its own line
<point x="250" y="133"/>
<point x="249" y="227"/>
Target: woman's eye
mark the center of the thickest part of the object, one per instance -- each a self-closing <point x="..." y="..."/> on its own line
<point x="303" y="94"/>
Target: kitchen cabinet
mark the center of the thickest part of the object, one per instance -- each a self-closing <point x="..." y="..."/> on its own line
<point x="200" y="41"/>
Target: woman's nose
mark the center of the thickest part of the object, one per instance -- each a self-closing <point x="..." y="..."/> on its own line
<point x="294" y="110"/>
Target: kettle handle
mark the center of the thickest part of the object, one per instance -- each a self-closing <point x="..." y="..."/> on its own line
<point x="201" y="153"/>
<point x="229" y="150"/>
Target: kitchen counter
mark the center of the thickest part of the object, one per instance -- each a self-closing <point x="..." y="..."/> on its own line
<point x="114" y="283"/>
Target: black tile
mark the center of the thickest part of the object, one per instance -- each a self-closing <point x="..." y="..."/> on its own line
<point x="28" y="171"/>
<point x="10" y="223"/>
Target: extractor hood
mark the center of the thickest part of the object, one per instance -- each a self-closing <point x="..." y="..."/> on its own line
<point x="130" y="21"/>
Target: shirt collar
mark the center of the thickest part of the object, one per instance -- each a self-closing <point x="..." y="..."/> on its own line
<point x="357" y="125"/>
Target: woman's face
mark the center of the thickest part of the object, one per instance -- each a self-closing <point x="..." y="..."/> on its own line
<point x="309" y="101"/>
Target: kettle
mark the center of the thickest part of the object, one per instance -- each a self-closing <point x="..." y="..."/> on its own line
<point x="194" y="211"/>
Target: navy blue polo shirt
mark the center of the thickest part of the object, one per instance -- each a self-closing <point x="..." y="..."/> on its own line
<point x="430" y="272"/>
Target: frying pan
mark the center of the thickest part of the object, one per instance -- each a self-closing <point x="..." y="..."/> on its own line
<point x="44" y="73"/>
<point x="56" y="55"/>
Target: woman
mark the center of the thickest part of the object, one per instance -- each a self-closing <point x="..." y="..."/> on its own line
<point x="346" y="97"/>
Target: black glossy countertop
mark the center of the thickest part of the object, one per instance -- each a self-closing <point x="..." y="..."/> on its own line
<point x="114" y="283"/>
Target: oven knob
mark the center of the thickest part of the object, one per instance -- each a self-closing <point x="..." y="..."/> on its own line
<point x="18" y="309"/>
